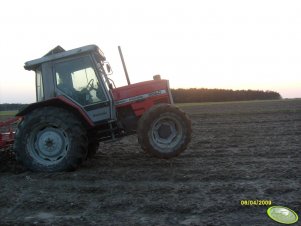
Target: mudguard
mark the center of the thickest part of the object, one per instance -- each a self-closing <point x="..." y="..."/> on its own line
<point x="59" y="101"/>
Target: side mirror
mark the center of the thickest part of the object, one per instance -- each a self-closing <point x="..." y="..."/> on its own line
<point x="108" y="68"/>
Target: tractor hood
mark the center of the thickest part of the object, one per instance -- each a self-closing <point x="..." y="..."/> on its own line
<point x="141" y="91"/>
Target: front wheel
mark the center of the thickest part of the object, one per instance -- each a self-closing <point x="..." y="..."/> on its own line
<point x="164" y="131"/>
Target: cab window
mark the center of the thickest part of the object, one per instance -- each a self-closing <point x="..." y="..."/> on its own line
<point x="39" y="85"/>
<point x="77" y="79"/>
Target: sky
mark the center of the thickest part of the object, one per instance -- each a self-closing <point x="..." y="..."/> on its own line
<point x="195" y="44"/>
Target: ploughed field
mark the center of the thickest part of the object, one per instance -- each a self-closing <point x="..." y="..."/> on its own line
<point x="239" y="151"/>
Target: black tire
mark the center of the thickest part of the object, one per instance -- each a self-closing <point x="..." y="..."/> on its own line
<point x="164" y="131"/>
<point x="92" y="148"/>
<point x="50" y="139"/>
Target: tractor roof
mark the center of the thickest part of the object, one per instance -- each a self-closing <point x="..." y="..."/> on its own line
<point x="59" y="53"/>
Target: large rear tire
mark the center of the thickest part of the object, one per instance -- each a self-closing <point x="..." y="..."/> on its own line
<point x="164" y="131"/>
<point x="51" y="139"/>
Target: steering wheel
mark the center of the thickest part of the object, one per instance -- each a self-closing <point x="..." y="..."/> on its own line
<point x="90" y="85"/>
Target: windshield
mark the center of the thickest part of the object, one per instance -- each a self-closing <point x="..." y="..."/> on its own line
<point x="78" y="80"/>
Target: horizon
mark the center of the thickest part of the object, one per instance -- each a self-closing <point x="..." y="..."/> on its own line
<point x="34" y="100"/>
<point x="218" y="45"/>
<point x="281" y="98"/>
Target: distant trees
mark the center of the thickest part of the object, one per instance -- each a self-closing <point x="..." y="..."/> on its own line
<point x="11" y="107"/>
<point x="217" y="95"/>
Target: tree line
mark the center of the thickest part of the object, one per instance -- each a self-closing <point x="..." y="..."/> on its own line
<point x="11" y="107"/>
<point x="195" y="95"/>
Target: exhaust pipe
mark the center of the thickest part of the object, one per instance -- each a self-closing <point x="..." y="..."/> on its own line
<point x="124" y="67"/>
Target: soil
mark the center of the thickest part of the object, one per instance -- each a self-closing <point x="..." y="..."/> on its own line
<point x="239" y="151"/>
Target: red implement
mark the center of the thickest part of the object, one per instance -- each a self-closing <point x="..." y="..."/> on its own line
<point x="7" y="132"/>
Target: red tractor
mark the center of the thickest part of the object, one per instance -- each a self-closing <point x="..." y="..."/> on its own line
<point x="78" y="106"/>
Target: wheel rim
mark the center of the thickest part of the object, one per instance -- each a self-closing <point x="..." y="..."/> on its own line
<point x="166" y="132"/>
<point x="48" y="144"/>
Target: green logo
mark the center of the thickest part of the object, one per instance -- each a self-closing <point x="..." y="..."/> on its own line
<point x="282" y="214"/>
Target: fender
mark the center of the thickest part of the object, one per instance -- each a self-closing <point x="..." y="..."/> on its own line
<point x="59" y="101"/>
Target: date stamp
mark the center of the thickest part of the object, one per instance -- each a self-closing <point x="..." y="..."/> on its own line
<point x="256" y="202"/>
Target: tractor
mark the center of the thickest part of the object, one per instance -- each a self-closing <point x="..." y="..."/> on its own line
<point x="78" y="106"/>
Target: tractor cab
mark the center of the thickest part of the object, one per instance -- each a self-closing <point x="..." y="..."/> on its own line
<point x="76" y="76"/>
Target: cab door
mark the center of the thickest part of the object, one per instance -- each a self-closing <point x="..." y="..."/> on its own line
<point x="77" y="79"/>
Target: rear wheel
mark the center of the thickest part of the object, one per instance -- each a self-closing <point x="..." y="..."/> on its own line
<point x="164" y="131"/>
<point x="50" y="139"/>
